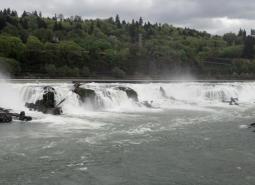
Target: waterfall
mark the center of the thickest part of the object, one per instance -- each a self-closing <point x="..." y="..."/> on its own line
<point x="110" y="98"/>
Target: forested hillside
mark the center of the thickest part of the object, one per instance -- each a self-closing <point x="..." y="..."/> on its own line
<point x="35" y="46"/>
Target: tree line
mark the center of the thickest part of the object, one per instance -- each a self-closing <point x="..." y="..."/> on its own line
<point x="35" y="46"/>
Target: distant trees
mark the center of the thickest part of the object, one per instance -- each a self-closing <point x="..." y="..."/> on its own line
<point x="73" y="47"/>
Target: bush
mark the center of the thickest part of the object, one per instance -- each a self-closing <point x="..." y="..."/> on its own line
<point x="118" y="73"/>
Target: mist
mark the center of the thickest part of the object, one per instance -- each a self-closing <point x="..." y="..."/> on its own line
<point x="9" y="95"/>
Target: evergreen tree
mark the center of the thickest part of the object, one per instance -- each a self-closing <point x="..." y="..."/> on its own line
<point x="117" y="21"/>
<point x="140" y="21"/>
<point x="248" y="51"/>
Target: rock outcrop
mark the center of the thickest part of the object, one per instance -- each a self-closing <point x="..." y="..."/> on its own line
<point x="47" y="105"/>
<point x="88" y="96"/>
<point x="131" y="93"/>
<point x="6" y="116"/>
<point x="85" y="94"/>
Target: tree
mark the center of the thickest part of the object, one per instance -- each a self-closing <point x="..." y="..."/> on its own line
<point x="33" y="43"/>
<point x="24" y="14"/>
<point x="140" y="21"/>
<point x="41" y="23"/>
<point x="117" y="21"/>
<point x="2" y="22"/>
<point x="230" y="38"/>
<point x="248" y="51"/>
<point x="24" y="23"/>
<point x="11" y="47"/>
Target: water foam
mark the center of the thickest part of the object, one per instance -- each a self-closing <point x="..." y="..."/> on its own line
<point x="112" y="99"/>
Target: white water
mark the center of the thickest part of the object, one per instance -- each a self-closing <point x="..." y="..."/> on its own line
<point x="186" y="95"/>
<point x="114" y="106"/>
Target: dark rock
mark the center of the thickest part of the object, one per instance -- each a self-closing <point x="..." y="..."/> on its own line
<point x="85" y="93"/>
<point x="88" y="96"/>
<point x="48" y="104"/>
<point x="49" y="97"/>
<point x="132" y="94"/>
<point x="5" y="117"/>
<point x="23" y="117"/>
<point x="252" y="125"/>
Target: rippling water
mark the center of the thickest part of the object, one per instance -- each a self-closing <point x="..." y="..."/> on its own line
<point x="191" y="138"/>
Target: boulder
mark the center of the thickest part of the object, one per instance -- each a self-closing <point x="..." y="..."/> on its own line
<point x="49" y="97"/>
<point x="5" y="117"/>
<point x="132" y="94"/>
<point x="47" y="105"/>
<point x="22" y="117"/>
<point x="85" y="93"/>
<point x="88" y="96"/>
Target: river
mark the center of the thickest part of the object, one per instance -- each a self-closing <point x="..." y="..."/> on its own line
<point x="189" y="137"/>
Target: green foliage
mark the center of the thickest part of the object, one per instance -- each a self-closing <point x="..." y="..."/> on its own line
<point x="66" y="71"/>
<point x="11" y="47"/>
<point x="33" y="43"/>
<point x="230" y="38"/>
<point x="118" y="73"/>
<point x="73" y="47"/>
<point x="9" y="65"/>
<point x="231" y="52"/>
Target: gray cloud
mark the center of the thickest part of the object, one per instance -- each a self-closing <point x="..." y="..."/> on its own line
<point x="214" y="16"/>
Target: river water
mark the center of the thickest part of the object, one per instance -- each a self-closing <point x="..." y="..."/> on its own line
<point x="192" y="138"/>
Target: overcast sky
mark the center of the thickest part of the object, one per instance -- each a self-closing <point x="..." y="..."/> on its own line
<point x="214" y="16"/>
